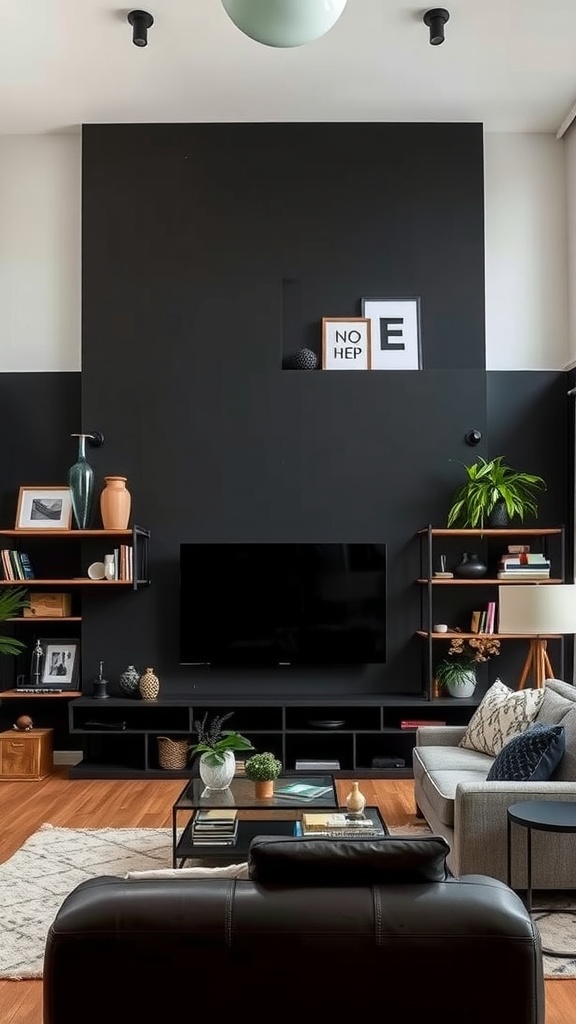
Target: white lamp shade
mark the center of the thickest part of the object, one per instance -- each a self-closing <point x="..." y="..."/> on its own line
<point x="538" y="609"/>
<point x="284" y="22"/>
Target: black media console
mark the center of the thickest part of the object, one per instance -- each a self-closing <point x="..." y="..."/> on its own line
<point x="119" y="737"/>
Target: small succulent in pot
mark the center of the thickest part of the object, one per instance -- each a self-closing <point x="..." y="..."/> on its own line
<point x="263" y="767"/>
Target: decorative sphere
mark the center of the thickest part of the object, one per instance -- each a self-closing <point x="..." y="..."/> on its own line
<point x="304" y="359"/>
<point x="24" y="723"/>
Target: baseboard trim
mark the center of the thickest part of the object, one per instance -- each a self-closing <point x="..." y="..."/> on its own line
<point x="67" y="756"/>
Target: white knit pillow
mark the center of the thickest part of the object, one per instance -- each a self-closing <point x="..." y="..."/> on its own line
<point x="502" y="713"/>
<point x="226" y="871"/>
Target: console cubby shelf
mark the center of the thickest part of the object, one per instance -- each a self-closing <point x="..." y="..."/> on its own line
<point x="119" y="737"/>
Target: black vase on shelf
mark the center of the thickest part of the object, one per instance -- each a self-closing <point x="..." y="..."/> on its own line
<point x="499" y="518"/>
<point x="470" y="568"/>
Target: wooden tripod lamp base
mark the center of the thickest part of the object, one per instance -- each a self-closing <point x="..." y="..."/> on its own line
<point x="537" y="665"/>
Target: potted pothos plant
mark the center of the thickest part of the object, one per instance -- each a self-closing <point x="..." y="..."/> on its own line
<point x="457" y="672"/>
<point x="216" y="747"/>
<point x="493" y="494"/>
<point x="263" y="769"/>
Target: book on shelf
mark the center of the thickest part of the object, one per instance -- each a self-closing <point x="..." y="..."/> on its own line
<point x="475" y="622"/>
<point x="517" y="549"/>
<point x="216" y="817"/>
<point x="534" y="574"/>
<point x="301" y="791"/>
<point x="375" y="832"/>
<point x="303" y="765"/>
<point x="415" y="723"/>
<point x="312" y="822"/>
<point x="525" y="558"/>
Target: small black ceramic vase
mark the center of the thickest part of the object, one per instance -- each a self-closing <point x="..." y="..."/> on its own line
<point x="128" y="682"/>
<point x="470" y="567"/>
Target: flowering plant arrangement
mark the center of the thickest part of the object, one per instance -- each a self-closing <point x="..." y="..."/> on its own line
<point x="464" y="654"/>
<point x="474" y="649"/>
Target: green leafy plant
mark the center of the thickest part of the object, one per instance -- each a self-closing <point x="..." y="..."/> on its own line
<point x="214" y="741"/>
<point x="487" y="484"/>
<point x="11" y="602"/>
<point x="263" y="767"/>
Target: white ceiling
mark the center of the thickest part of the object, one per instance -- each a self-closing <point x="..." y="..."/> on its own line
<point x="508" y="63"/>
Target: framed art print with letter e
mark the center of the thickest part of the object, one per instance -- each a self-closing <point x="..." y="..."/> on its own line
<point x="395" y="333"/>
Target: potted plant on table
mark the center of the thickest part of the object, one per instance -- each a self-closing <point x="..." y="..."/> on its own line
<point x="216" y="747"/>
<point x="493" y="494"/>
<point x="263" y="769"/>
<point x="458" y="670"/>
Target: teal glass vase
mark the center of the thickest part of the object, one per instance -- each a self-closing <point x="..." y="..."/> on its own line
<point x="81" y="483"/>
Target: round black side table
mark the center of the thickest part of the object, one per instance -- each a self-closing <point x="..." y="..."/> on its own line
<point x="544" y="816"/>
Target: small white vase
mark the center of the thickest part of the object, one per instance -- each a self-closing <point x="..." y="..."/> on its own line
<point x="464" y="686"/>
<point x="217" y="776"/>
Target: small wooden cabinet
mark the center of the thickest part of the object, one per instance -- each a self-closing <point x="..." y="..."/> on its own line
<point x="26" y="755"/>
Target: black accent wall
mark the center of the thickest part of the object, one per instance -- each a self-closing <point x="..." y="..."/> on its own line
<point x="208" y="252"/>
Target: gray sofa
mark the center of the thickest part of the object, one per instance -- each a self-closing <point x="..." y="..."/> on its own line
<point x="458" y="803"/>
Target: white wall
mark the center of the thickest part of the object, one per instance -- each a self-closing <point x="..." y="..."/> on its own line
<point x="569" y="143"/>
<point x="527" y="325"/>
<point x="39" y="252"/>
<point x="526" y="252"/>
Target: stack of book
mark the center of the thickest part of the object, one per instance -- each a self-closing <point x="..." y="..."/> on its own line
<point x="416" y="723"/>
<point x="484" y="620"/>
<point x="215" y="827"/>
<point x="336" y="825"/>
<point x="15" y="565"/>
<point x="523" y="564"/>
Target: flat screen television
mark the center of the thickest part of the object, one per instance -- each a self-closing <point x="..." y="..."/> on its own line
<point x="250" y="605"/>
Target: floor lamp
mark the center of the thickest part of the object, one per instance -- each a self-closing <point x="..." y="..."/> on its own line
<point x="540" y="612"/>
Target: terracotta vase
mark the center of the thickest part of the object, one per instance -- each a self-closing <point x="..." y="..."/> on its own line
<point x="115" y="502"/>
<point x="264" y="790"/>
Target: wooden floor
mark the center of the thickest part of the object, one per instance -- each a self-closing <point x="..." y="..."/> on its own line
<point x="79" y="804"/>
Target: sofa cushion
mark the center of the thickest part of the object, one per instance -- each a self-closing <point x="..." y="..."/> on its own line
<point x="530" y="757"/>
<point x="553" y="707"/>
<point x="567" y="690"/>
<point x="432" y="759"/>
<point x="440" y="790"/>
<point x="328" y="862"/>
<point x="566" y="770"/>
<point x="501" y="714"/>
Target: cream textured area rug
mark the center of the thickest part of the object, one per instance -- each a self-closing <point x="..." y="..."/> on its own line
<point x="53" y="861"/>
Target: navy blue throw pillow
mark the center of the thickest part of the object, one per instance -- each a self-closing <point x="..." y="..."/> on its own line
<point x="530" y="757"/>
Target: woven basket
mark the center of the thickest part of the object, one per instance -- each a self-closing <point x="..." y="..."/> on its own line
<point x="172" y="753"/>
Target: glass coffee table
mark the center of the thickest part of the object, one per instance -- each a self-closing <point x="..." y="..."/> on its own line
<point x="278" y="815"/>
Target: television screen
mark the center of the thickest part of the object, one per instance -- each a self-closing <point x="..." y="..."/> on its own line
<point x="282" y="604"/>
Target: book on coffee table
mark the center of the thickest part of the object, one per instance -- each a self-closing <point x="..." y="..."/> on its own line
<point x="301" y="791"/>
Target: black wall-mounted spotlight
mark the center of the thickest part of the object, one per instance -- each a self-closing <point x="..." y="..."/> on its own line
<point x="141" y="21"/>
<point x="435" y="20"/>
<point x="473" y="437"/>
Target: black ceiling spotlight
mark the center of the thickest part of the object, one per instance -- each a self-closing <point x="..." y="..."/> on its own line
<point x="141" y="21"/>
<point x="435" y="20"/>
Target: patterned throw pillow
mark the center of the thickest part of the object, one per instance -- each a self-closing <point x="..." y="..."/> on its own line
<point x="502" y="713"/>
<point x="530" y="757"/>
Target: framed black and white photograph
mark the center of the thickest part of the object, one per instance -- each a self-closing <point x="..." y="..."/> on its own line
<point x="395" y="333"/>
<point x="59" y="663"/>
<point x="44" y="508"/>
<point x="345" y="343"/>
